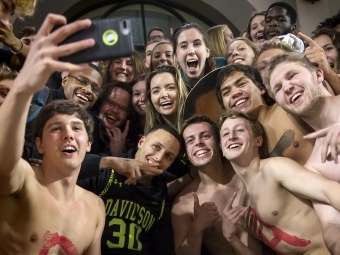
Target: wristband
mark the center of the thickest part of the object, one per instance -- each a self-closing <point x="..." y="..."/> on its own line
<point x="22" y="45"/>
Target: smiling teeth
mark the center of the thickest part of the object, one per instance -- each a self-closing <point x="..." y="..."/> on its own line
<point x="111" y="117"/>
<point x="201" y="152"/>
<point x="191" y="60"/>
<point x="240" y="102"/>
<point x="294" y="98"/>
<point x="166" y="103"/>
<point x="235" y="145"/>
<point x="237" y="60"/>
<point x="69" y="148"/>
<point x="82" y="97"/>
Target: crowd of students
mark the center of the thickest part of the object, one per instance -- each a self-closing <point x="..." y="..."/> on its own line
<point x="99" y="159"/>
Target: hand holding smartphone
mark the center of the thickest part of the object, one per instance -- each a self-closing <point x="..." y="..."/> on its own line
<point x="113" y="37"/>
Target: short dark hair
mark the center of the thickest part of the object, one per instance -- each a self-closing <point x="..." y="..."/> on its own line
<point x="65" y="107"/>
<point x="107" y="89"/>
<point x="248" y="71"/>
<point x="291" y="12"/>
<point x="26" y="31"/>
<point x="199" y="119"/>
<point x="95" y="67"/>
<point x="155" y="29"/>
<point x="168" y="129"/>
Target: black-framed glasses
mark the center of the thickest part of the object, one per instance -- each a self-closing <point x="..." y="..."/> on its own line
<point x="121" y="109"/>
<point x="84" y="82"/>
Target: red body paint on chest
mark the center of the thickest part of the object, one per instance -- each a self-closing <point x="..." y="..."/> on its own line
<point x="51" y="240"/>
<point x="279" y="235"/>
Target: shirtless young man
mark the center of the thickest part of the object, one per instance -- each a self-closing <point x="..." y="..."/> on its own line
<point x="276" y="204"/>
<point x="297" y="86"/>
<point x="42" y="211"/>
<point x="314" y="52"/>
<point x="240" y="88"/>
<point x="196" y="210"/>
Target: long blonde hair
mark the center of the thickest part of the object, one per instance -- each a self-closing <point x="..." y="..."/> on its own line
<point x="152" y="116"/>
<point x="216" y="40"/>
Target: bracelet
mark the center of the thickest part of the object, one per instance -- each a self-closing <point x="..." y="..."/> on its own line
<point x="22" y="45"/>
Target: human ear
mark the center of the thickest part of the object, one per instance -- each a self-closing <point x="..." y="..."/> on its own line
<point x="259" y="141"/>
<point x="38" y="143"/>
<point x="141" y="142"/>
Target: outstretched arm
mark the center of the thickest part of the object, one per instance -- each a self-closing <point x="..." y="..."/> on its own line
<point x="40" y="64"/>
<point x="302" y="182"/>
<point x="7" y="37"/>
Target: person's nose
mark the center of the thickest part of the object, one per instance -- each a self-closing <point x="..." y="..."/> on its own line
<point x="68" y="134"/>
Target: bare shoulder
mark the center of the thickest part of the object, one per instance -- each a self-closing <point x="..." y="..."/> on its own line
<point x="280" y="168"/>
<point x="184" y="199"/>
<point x="271" y="166"/>
<point x="91" y="200"/>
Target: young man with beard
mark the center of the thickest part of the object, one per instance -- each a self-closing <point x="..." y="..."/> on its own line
<point x="280" y="19"/>
<point x="275" y="207"/>
<point x="240" y="88"/>
<point x="314" y="52"/>
<point x="42" y="211"/>
<point x="297" y="86"/>
<point x="196" y="210"/>
<point x="135" y="214"/>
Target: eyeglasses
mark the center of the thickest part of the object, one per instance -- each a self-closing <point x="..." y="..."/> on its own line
<point x="121" y="109"/>
<point x="153" y="37"/>
<point x="84" y="82"/>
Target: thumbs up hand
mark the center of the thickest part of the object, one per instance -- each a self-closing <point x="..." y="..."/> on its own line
<point x="205" y="215"/>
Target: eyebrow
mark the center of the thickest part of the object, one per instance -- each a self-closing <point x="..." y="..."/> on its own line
<point x="60" y="122"/>
<point x="200" y="133"/>
<point x="236" y="82"/>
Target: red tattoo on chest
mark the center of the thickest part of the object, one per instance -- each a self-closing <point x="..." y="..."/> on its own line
<point x="51" y="240"/>
<point x="279" y="235"/>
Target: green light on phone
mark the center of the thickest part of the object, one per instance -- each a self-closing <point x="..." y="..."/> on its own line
<point x="110" y="37"/>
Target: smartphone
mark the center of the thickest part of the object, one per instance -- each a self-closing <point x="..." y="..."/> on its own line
<point x="113" y="37"/>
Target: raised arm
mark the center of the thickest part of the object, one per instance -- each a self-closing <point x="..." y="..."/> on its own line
<point x="188" y="230"/>
<point x="303" y="182"/>
<point x="8" y="38"/>
<point x="317" y="56"/>
<point x="41" y="62"/>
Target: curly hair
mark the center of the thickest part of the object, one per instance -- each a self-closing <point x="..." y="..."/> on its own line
<point x="331" y="22"/>
<point x="335" y="37"/>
